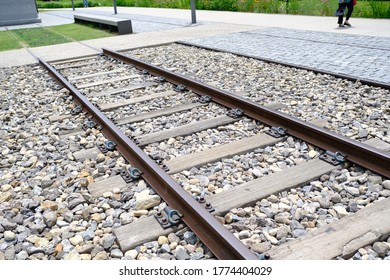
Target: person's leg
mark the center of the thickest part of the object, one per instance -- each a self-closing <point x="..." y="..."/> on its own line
<point x="340" y="19"/>
<point x="350" y="10"/>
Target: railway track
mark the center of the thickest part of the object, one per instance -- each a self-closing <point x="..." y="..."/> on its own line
<point x="231" y="170"/>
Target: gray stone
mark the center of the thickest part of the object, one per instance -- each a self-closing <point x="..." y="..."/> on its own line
<point x="165" y="248"/>
<point x="270" y="238"/>
<point x="244" y="234"/>
<point x="108" y="241"/>
<point x="385" y="193"/>
<point x="9" y="235"/>
<point x="151" y="245"/>
<point x="38" y="228"/>
<point x="172" y="237"/>
<point x="66" y="246"/>
<point x="116" y="253"/>
<point x="6" y="196"/>
<point x="273" y="198"/>
<point x="363" y="133"/>
<point x="96" y="250"/>
<point x="260" y="247"/>
<point x="50" y="218"/>
<point x="203" y="180"/>
<point x="307" y="189"/>
<point x="336" y="198"/>
<point x="197" y="256"/>
<point x="23" y="235"/>
<point x="102" y="255"/>
<point x="86" y="249"/>
<point x="181" y="253"/>
<point x="35" y="250"/>
<point x="375" y="179"/>
<point x="7" y="225"/>
<point x="144" y="201"/>
<point x="374" y="188"/>
<point x="381" y="248"/>
<point x="18" y="219"/>
<point x="282" y="232"/>
<point x="46" y="182"/>
<point x="67" y="233"/>
<point x="22" y="255"/>
<point x="88" y="234"/>
<point x="324" y="202"/>
<point x="190" y="237"/>
<point x="298" y="232"/>
<point x="76" y="240"/>
<point x="74" y="200"/>
<point x="353" y="191"/>
<point x="295" y="225"/>
<point x="386" y="184"/>
<point x="10" y="253"/>
<point x="125" y="218"/>
<point x="270" y="212"/>
<point x="353" y="207"/>
<point x="341" y="211"/>
<point x="312" y="207"/>
<point x="283" y="218"/>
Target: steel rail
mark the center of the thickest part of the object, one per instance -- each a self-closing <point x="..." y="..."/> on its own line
<point x="356" y="152"/>
<point x="213" y="234"/>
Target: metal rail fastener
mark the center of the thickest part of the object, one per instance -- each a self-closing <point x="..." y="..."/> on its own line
<point x="213" y="234"/>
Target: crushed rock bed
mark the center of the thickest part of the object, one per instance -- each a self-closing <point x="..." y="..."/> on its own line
<point x="357" y="111"/>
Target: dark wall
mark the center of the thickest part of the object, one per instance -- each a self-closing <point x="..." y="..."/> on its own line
<point x="13" y="12"/>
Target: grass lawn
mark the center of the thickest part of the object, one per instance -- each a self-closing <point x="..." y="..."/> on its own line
<point x="80" y="32"/>
<point x="36" y="37"/>
<point x="8" y="41"/>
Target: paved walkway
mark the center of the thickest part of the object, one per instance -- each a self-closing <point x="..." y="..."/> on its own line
<point x="362" y="51"/>
<point x="359" y="56"/>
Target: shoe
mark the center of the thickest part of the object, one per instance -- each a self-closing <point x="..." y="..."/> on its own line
<point x="347" y="23"/>
<point x="341" y="25"/>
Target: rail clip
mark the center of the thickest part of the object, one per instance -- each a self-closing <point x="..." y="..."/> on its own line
<point x="131" y="174"/>
<point x="76" y="110"/>
<point x="202" y="200"/>
<point x="168" y="217"/>
<point x="107" y="146"/>
<point x="333" y="158"/>
<point x="161" y="79"/>
<point x="235" y="113"/>
<point x="204" y="99"/>
<point x="276" y="131"/>
<point x="89" y="124"/>
<point x="179" y="88"/>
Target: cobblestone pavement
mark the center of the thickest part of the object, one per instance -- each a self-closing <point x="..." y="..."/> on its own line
<point x="363" y="57"/>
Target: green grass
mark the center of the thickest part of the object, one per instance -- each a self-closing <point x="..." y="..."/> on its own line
<point x="80" y="32"/>
<point x="36" y="37"/>
<point x="68" y="4"/>
<point x="364" y="8"/>
<point x="8" y="41"/>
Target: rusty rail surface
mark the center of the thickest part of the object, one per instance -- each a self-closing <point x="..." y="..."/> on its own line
<point x="214" y="235"/>
<point x="356" y="152"/>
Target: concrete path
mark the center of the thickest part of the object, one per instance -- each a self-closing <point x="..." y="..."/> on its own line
<point x="362" y="50"/>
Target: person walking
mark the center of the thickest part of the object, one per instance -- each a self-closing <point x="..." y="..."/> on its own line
<point x="342" y="5"/>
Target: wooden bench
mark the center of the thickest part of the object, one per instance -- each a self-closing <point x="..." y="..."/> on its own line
<point x="114" y="24"/>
